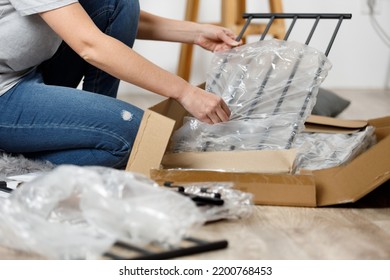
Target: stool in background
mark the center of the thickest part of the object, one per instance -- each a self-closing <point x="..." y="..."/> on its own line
<point x="231" y="17"/>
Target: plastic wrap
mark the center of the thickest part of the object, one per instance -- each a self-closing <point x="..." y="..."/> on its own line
<point x="237" y="204"/>
<point x="323" y="150"/>
<point x="77" y="213"/>
<point x="270" y="87"/>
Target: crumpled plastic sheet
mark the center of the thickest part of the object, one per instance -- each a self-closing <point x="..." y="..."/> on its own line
<point x="237" y="204"/>
<point x="324" y="150"/>
<point x="270" y="86"/>
<point x="79" y="212"/>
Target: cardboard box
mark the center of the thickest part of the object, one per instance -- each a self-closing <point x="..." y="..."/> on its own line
<point x="271" y="184"/>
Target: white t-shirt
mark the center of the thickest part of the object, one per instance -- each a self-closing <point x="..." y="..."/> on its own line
<point x="25" y="39"/>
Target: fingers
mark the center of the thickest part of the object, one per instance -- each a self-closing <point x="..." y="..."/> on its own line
<point x="213" y="118"/>
<point x="217" y="116"/>
<point x="226" y="109"/>
<point x="205" y="106"/>
<point x="221" y="113"/>
<point x="215" y="38"/>
<point x="229" y="38"/>
<point x="214" y="114"/>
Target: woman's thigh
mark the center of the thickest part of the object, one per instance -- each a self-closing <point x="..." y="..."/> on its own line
<point x="66" y="125"/>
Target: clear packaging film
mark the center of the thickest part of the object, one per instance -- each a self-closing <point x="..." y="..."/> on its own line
<point x="79" y="212"/>
<point x="270" y="86"/>
<point x="237" y="204"/>
<point x="323" y="150"/>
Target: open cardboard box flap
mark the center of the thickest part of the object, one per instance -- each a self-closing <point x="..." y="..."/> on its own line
<point x="271" y="186"/>
<point x="331" y="125"/>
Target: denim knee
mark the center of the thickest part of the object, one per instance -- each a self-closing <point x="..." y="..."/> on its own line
<point x="127" y="14"/>
<point x="117" y="18"/>
<point x="128" y="125"/>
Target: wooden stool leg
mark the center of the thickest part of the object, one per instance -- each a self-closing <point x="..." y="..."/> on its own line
<point x="231" y="14"/>
<point x="185" y="59"/>
<point x="276" y="6"/>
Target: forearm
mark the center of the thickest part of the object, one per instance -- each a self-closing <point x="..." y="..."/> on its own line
<point x="209" y="37"/>
<point x="152" y="27"/>
<point x="127" y="65"/>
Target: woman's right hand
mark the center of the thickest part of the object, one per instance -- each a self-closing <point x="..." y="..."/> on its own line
<point x="204" y="106"/>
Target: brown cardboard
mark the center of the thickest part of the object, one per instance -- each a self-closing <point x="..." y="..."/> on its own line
<point x="234" y="161"/>
<point x="318" y="188"/>
<point x="268" y="189"/>
<point x="152" y="138"/>
<point x="331" y="125"/>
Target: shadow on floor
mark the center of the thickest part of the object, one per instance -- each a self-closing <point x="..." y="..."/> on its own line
<point x="378" y="198"/>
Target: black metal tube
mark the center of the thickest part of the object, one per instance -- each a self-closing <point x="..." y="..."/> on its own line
<point x="301" y="15"/>
<point x="200" y="247"/>
<point x="284" y="93"/>
<point x="290" y="29"/>
<point x="267" y="28"/>
<point x="242" y="32"/>
<point x="304" y="106"/>
<point x="181" y="252"/>
<point x="334" y="35"/>
<point x="270" y="70"/>
<point x="312" y="31"/>
<point x="4" y="188"/>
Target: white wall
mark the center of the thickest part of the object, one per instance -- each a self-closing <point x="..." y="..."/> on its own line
<point x="360" y="59"/>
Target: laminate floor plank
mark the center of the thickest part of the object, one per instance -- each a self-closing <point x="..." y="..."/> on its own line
<point x="302" y="233"/>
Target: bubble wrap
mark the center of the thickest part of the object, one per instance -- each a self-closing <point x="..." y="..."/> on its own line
<point x="270" y="87"/>
<point x="323" y="150"/>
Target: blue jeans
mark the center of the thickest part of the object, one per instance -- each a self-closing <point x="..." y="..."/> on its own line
<point x="45" y="117"/>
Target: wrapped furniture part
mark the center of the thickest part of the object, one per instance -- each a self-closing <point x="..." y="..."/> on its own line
<point x="237" y="204"/>
<point x="79" y="212"/>
<point x="324" y="150"/>
<point x="270" y="87"/>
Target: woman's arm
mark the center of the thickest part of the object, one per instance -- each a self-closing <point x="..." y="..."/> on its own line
<point x="210" y="37"/>
<point x="76" y="28"/>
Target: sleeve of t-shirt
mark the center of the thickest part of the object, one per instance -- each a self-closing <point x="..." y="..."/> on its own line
<point x="29" y="7"/>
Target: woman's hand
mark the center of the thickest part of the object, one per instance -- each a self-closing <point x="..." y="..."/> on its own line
<point x="205" y="106"/>
<point x="215" y="38"/>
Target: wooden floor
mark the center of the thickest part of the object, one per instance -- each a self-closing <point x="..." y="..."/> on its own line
<point x="304" y="233"/>
<point x="357" y="231"/>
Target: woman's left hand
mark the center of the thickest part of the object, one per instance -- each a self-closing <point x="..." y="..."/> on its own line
<point x="216" y="38"/>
